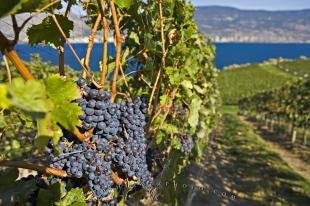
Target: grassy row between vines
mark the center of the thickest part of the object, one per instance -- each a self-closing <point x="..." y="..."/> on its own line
<point x="237" y="83"/>
<point x="255" y="170"/>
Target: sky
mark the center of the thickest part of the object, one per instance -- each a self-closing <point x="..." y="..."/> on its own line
<point x="257" y="4"/>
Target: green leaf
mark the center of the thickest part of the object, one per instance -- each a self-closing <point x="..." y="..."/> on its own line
<point x="47" y="32"/>
<point x="67" y="115"/>
<point x="176" y="143"/>
<point x="52" y="194"/>
<point x="10" y="6"/>
<point x="47" y="129"/>
<point x="28" y="96"/>
<point x="193" y="118"/>
<point x="75" y="197"/>
<point x="160" y="137"/>
<point x="187" y="84"/>
<point x="4" y="101"/>
<point x="123" y="3"/>
<point x="60" y="90"/>
<point x="134" y="36"/>
<point x="169" y="128"/>
<point x="62" y="93"/>
<point x="8" y="177"/>
<point x="164" y="99"/>
<point x="2" y="122"/>
<point x="17" y="192"/>
<point x="20" y="6"/>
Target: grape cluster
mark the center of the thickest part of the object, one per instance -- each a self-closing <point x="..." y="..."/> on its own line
<point x="118" y="143"/>
<point x="187" y="143"/>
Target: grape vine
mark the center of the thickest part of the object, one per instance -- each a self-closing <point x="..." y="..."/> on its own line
<point x="108" y="135"/>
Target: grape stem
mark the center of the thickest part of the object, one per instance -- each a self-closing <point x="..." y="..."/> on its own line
<point x="39" y="168"/>
<point x="116" y="179"/>
<point x="82" y="136"/>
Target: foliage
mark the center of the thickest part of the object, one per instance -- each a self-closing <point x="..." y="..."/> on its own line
<point x="290" y="102"/>
<point x="235" y="84"/>
<point x="47" y="31"/>
<point x="44" y="103"/>
<point x="299" y="68"/>
<point x="20" y="6"/>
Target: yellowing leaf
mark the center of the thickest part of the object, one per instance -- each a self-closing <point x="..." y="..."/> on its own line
<point x="4" y="101"/>
<point x="123" y="3"/>
<point x="28" y="96"/>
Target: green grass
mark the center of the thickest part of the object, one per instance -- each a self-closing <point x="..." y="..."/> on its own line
<point x="256" y="171"/>
<point x="235" y="84"/>
<point x="229" y="109"/>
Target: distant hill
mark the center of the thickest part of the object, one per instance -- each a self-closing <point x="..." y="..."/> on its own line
<point x="222" y="24"/>
<point x="226" y="24"/>
<point x="245" y="81"/>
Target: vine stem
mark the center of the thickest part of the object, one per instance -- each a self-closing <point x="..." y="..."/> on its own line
<point x="39" y="168"/>
<point x="118" y="42"/>
<point x="61" y="48"/>
<point x="156" y="86"/>
<point x="8" y="71"/>
<point x="91" y="44"/>
<point x="105" y="23"/>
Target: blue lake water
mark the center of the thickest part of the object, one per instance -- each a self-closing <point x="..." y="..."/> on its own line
<point x="227" y="53"/>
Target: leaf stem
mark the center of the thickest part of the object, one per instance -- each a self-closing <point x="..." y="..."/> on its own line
<point x="39" y="168"/>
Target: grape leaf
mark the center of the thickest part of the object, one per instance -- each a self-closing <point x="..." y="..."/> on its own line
<point x="123" y="3"/>
<point x="4" y="101"/>
<point x="60" y="90"/>
<point x="2" y="122"/>
<point x="67" y="115"/>
<point x="10" y="6"/>
<point x="20" y="6"/>
<point x="75" y="197"/>
<point x="28" y="96"/>
<point x="17" y="192"/>
<point x="47" y="129"/>
<point x="52" y="194"/>
<point x="176" y="143"/>
<point x="193" y="118"/>
<point x="47" y="31"/>
<point x="8" y="176"/>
